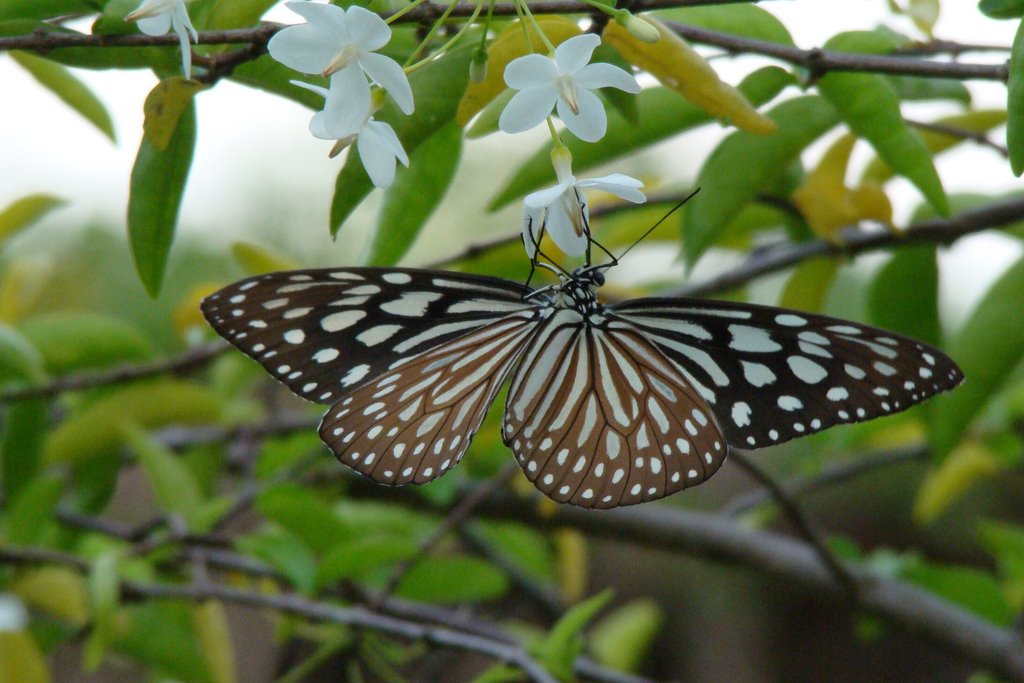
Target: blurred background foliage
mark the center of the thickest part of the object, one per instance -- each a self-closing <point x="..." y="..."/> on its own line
<point x="210" y="473"/>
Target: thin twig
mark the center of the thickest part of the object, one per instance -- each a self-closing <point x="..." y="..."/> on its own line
<point x="800" y="521"/>
<point x="455" y="517"/>
<point x="835" y="474"/>
<point x="176" y="365"/>
<point x="979" y="137"/>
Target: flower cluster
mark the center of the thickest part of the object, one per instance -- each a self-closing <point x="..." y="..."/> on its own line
<point x="341" y="46"/>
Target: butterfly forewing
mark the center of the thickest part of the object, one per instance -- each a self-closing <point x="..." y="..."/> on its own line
<point x="597" y="416"/>
<point x="772" y="375"/>
<point x="325" y="331"/>
<point x="415" y="421"/>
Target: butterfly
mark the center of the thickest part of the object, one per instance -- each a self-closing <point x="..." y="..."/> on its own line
<point x="609" y="405"/>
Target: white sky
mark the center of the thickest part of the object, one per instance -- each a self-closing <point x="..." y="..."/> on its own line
<point x="256" y="163"/>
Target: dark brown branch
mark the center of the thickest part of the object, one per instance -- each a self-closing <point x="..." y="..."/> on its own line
<point x="816" y="60"/>
<point x="933" y="231"/>
<point x="819" y="61"/>
<point x="803" y="525"/>
<point x="186" y="362"/>
<point x="836" y="474"/>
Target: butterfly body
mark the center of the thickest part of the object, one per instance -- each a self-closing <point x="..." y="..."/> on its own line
<point x="608" y="405"/>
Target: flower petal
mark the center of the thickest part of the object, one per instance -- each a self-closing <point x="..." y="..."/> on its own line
<point x="366" y="29"/>
<point x="603" y="75"/>
<point x="348" y="102"/>
<point x="531" y="226"/>
<point x="319" y="90"/>
<point x="386" y="134"/>
<point x="530" y="71"/>
<point x="155" y="25"/>
<point x="526" y="109"/>
<point x="591" y="123"/>
<point x="186" y="49"/>
<point x="618" y="184"/>
<point x="324" y="17"/>
<point x="575" y="53"/>
<point x="303" y="48"/>
<point x="547" y="196"/>
<point x="390" y="76"/>
<point x="562" y="221"/>
<point x="377" y="157"/>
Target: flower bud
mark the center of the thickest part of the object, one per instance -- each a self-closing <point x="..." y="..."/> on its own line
<point x="478" y="67"/>
<point x="638" y="26"/>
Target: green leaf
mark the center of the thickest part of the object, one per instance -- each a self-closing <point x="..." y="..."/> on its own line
<point x="176" y="490"/>
<point x="871" y="108"/>
<point x="904" y="296"/>
<point x="969" y="588"/>
<point x="98" y="429"/>
<point x="214" y="637"/>
<point x="20" y="361"/>
<point x="963" y="468"/>
<point x="623" y="639"/>
<point x="360" y="558"/>
<point x="501" y="673"/>
<point x="226" y="14"/>
<point x="661" y="113"/>
<point x="23" y="428"/>
<point x="104" y="595"/>
<point x="520" y="546"/>
<point x="73" y="92"/>
<point x="157" y="185"/>
<point x="285" y="553"/>
<point x="448" y="580"/>
<point x="21" y="660"/>
<point x="22" y="213"/>
<point x="1015" y="104"/>
<point x="987" y="348"/>
<point x="416" y="192"/>
<point x="163" y="636"/>
<point x="304" y="515"/>
<point x="917" y="88"/>
<point x="436" y="89"/>
<point x="273" y="77"/>
<point x="564" y="643"/>
<point x="43" y="9"/>
<point x="72" y="340"/>
<point x="748" y="21"/>
<point x="1005" y="542"/>
<point x="1002" y="9"/>
<point x="743" y="164"/>
<point x="31" y="511"/>
<point x="807" y="287"/>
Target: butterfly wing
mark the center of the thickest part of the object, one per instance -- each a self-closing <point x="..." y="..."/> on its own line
<point x="414" y="422"/>
<point x="322" y="332"/>
<point x="772" y="375"/>
<point x="599" y="417"/>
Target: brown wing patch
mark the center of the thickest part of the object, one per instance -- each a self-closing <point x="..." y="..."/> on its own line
<point x="599" y="417"/>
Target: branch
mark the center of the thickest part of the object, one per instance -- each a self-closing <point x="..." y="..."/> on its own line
<point x="819" y="62"/>
<point x="186" y="362"/>
<point x="816" y="60"/>
<point x="978" y="137"/>
<point x="932" y="231"/>
<point x="835" y="474"/>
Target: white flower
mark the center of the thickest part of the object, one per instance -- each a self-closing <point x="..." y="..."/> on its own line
<point x="378" y="145"/>
<point x="565" y="81"/>
<point x="562" y="210"/>
<point x="157" y="17"/>
<point x="340" y="44"/>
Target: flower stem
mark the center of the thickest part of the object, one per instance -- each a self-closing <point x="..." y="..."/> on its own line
<point x="400" y="13"/>
<point x="433" y="31"/>
<point x="526" y="16"/>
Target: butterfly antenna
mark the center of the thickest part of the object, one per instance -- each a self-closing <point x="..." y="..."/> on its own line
<point x="660" y="221"/>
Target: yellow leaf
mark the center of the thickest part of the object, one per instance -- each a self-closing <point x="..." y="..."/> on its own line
<point x="21" y="286"/>
<point x="55" y="590"/>
<point x="23" y="212"/>
<point x="571" y="554"/>
<point x="164" y="106"/>
<point x="808" y="286"/>
<point x="256" y="259"/>
<point x="678" y="66"/>
<point x="829" y="205"/>
<point x="215" y="640"/>
<point x="510" y="44"/>
<point x="963" y="468"/>
<point x="187" y="316"/>
<point x="21" y="660"/>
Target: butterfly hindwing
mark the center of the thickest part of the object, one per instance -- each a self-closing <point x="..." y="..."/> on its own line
<point x="597" y="416"/>
<point x="324" y="331"/>
<point x="414" y="422"/>
<point x="772" y="375"/>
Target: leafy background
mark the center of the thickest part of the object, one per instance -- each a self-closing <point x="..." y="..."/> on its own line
<point x="188" y="525"/>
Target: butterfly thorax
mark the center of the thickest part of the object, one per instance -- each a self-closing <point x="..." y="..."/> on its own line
<point x="578" y="292"/>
